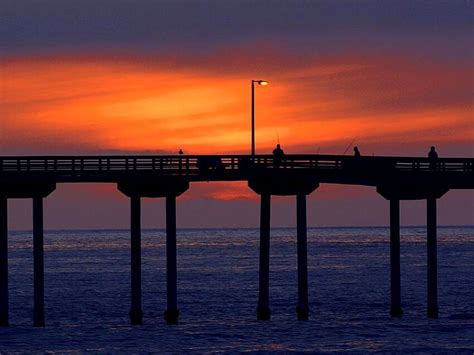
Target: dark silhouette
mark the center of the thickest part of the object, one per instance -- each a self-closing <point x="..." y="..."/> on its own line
<point x="181" y="152"/>
<point x="395" y="178"/>
<point x="244" y="163"/>
<point x="356" y="152"/>
<point x="277" y="155"/>
<point x="433" y="156"/>
<point x="203" y="164"/>
<point x="210" y="163"/>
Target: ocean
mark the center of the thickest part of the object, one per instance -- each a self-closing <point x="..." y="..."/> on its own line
<point x="87" y="293"/>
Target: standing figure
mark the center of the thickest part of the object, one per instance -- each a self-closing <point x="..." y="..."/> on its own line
<point x="277" y="156"/>
<point x="432" y="156"/>
<point x="356" y="152"/>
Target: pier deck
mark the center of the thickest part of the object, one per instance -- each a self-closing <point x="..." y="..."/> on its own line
<point x="137" y="176"/>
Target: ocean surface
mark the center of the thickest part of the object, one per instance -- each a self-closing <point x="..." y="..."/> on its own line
<point x="87" y="297"/>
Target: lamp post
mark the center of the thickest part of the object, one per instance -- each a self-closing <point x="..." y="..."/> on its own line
<point x="262" y="83"/>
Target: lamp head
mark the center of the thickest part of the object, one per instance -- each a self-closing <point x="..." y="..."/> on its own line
<point x="262" y="82"/>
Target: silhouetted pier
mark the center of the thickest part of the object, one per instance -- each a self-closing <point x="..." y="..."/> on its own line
<point x="395" y="178"/>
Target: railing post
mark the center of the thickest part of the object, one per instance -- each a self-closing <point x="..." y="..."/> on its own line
<point x="3" y="262"/>
<point x="136" y="313"/>
<point x="263" y="309"/>
<point x="302" y="308"/>
<point x="395" y="293"/>
<point x="432" y="259"/>
<point x="172" y="312"/>
<point x="38" y="262"/>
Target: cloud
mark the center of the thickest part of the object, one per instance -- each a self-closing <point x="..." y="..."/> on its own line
<point x="201" y="26"/>
<point x="77" y="104"/>
<point x="119" y="76"/>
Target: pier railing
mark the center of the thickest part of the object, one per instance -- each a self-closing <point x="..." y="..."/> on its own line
<point x="194" y="164"/>
<point x="154" y="176"/>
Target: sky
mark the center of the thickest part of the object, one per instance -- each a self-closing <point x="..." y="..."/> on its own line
<point x="142" y="76"/>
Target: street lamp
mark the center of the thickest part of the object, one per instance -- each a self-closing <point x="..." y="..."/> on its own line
<point x="262" y="83"/>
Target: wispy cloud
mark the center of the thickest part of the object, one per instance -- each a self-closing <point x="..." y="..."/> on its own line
<point x="93" y="103"/>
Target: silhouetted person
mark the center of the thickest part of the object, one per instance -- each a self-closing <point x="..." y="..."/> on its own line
<point x="181" y="152"/>
<point x="356" y="152"/>
<point x="433" y="156"/>
<point x="277" y="155"/>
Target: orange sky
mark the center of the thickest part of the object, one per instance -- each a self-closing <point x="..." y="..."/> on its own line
<point x="119" y="77"/>
<point x="78" y="104"/>
<point x="93" y="104"/>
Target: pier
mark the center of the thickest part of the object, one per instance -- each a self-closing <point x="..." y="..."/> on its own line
<point x="395" y="178"/>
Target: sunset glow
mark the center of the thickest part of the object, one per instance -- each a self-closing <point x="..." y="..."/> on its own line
<point x="69" y="105"/>
<point x="156" y="77"/>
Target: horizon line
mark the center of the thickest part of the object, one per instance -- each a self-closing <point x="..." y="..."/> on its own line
<point x="231" y="228"/>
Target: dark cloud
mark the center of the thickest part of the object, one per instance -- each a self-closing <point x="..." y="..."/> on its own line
<point x="29" y="25"/>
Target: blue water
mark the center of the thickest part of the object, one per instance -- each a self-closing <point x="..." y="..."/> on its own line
<point x="87" y="293"/>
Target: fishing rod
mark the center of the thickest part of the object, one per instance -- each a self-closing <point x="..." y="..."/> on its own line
<point x="350" y="144"/>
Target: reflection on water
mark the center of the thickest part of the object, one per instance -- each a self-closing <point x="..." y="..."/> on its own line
<point x="87" y="292"/>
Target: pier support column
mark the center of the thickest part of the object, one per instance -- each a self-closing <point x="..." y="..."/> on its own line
<point x="432" y="259"/>
<point x="136" y="313"/>
<point x="172" y="312"/>
<point x="3" y="263"/>
<point x="263" y="309"/>
<point x="302" y="308"/>
<point x="168" y="187"/>
<point x="395" y="293"/>
<point x="38" y="262"/>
